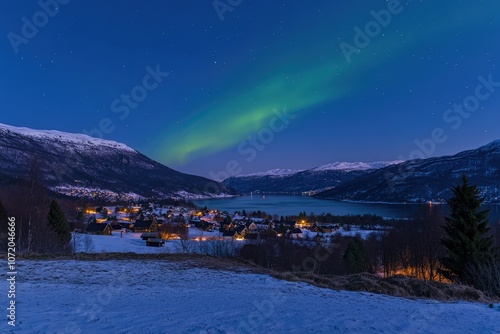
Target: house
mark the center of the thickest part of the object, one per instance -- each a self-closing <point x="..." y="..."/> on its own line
<point x="145" y="226"/>
<point x="229" y="235"/>
<point x="125" y="225"/>
<point x="295" y="233"/>
<point x="99" y="229"/>
<point x="148" y="235"/>
<point x="251" y="231"/>
<point x="251" y="226"/>
<point x="155" y="242"/>
<point x="268" y="234"/>
<point x="116" y="226"/>
<point x="241" y="231"/>
<point x="266" y="225"/>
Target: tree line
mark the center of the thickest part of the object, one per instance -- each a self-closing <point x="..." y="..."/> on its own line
<point x="41" y="224"/>
<point x="459" y="248"/>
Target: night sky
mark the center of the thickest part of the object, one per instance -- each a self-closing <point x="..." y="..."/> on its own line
<point x="254" y="85"/>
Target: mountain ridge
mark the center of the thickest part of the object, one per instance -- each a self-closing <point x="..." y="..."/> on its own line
<point x="303" y="181"/>
<point x="82" y="166"/>
<point x="426" y="180"/>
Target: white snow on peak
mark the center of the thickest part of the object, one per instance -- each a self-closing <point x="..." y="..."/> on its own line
<point x="341" y="166"/>
<point x="278" y="172"/>
<point x="352" y="166"/>
<point x="73" y="138"/>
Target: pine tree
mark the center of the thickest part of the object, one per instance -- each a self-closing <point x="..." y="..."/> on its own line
<point x="356" y="258"/>
<point x="58" y="223"/>
<point x="466" y="239"/>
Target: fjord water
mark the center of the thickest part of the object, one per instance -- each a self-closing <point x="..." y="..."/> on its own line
<point x="292" y="205"/>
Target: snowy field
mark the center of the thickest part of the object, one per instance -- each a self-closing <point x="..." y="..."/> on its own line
<point x="132" y="242"/>
<point x="133" y="296"/>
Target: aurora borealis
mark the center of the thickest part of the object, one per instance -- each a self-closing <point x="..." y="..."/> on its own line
<point x="227" y="79"/>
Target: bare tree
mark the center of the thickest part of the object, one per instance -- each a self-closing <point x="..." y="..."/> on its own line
<point x="88" y="244"/>
<point x="29" y="204"/>
<point x="486" y="276"/>
<point x="425" y="243"/>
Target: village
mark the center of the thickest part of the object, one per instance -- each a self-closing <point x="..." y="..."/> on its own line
<point x="155" y="225"/>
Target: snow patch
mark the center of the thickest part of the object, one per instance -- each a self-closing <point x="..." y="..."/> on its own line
<point x="182" y="194"/>
<point x="278" y="172"/>
<point x="353" y="166"/>
<point x="341" y="166"/>
<point x="71" y="138"/>
<point x="86" y="192"/>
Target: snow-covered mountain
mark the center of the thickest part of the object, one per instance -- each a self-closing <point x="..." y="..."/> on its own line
<point x="310" y="180"/>
<point x="77" y="140"/>
<point x="352" y="166"/>
<point x="79" y="165"/>
<point x="278" y="172"/>
<point x="426" y="179"/>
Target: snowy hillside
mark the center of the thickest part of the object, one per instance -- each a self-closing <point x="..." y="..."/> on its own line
<point x="310" y="180"/>
<point x="82" y="166"/>
<point x="341" y="166"/>
<point x="154" y="297"/>
<point x="278" y="172"/>
<point x="424" y="180"/>
<point x="84" y="141"/>
<point x="351" y="166"/>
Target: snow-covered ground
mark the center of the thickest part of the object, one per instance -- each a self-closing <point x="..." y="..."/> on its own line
<point x="355" y="231"/>
<point x="133" y="296"/>
<point x="132" y="242"/>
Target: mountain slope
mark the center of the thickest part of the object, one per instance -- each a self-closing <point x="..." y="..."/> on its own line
<point x="311" y="180"/>
<point x="76" y="164"/>
<point x="425" y="179"/>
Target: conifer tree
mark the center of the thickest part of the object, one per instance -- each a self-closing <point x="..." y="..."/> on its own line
<point x="356" y="258"/>
<point x="58" y="223"/>
<point x="466" y="239"/>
